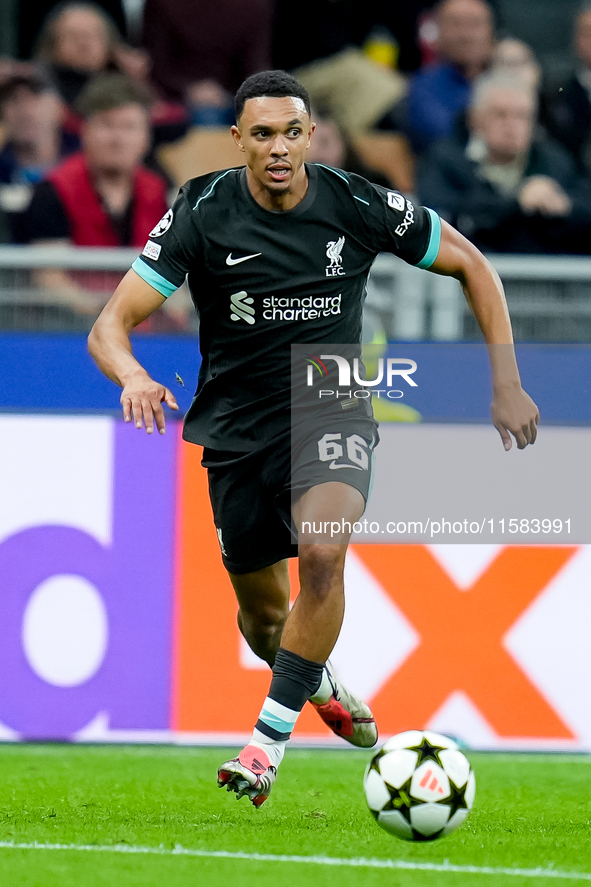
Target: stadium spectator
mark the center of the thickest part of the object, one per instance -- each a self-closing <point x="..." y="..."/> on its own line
<point x="102" y="195"/>
<point x="31" y="112"/>
<point x="201" y="51"/>
<point x="78" y="42"/>
<point x="569" y="103"/>
<point x="10" y="66"/>
<point x="508" y="190"/>
<point x="427" y="29"/>
<point x="332" y="147"/>
<point x="439" y="94"/>
<point x="516" y="59"/>
<point x="31" y="16"/>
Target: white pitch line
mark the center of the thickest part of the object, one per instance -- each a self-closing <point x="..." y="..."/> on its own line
<point x="310" y="860"/>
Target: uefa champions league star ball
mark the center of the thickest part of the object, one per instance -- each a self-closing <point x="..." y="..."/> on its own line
<point x="419" y="786"/>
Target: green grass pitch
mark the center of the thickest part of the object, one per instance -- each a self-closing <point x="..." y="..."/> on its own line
<point x="531" y="822"/>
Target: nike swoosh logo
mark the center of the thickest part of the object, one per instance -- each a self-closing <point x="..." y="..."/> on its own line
<point x="334" y="465"/>
<point x="231" y="261"/>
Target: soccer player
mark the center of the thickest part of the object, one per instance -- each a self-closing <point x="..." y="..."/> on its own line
<point x="278" y="253"/>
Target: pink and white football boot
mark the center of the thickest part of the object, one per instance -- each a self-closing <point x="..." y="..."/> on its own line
<point x="347" y="715"/>
<point x="249" y="774"/>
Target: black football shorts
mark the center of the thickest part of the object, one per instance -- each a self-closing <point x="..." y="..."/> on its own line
<point x="251" y="493"/>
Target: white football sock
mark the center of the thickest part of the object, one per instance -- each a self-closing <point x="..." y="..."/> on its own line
<point x="274" y="749"/>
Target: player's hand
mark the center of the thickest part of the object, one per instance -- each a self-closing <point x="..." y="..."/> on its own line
<point x="514" y="411"/>
<point x="142" y="400"/>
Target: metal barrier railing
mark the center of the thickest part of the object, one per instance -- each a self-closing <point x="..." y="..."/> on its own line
<point x="64" y="288"/>
<point x="549" y="300"/>
<point x="549" y="297"/>
<point x="83" y="258"/>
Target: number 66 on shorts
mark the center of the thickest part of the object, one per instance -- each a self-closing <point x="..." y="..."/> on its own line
<point x="330" y="449"/>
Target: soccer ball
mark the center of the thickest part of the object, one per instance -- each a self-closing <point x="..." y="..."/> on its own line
<point x="419" y="786"/>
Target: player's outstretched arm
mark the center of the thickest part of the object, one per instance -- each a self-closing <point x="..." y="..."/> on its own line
<point x="110" y="346"/>
<point x="513" y="411"/>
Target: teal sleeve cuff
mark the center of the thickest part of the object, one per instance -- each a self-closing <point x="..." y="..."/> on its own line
<point x="147" y="273"/>
<point x="434" y="240"/>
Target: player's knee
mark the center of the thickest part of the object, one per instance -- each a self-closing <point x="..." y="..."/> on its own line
<point x="262" y="631"/>
<point x="321" y="569"/>
<point x="264" y="622"/>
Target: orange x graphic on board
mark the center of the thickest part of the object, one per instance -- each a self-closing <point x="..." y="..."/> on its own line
<point x="462" y="632"/>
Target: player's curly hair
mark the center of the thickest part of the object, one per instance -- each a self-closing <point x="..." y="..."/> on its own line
<point x="275" y="84"/>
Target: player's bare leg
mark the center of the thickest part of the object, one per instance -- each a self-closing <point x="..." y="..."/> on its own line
<point x="312" y="627"/>
<point x="263" y="599"/>
<point x="348" y="716"/>
<point x="315" y="620"/>
<point x="310" y="633"/>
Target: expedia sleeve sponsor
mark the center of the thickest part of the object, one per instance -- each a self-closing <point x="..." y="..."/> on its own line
<point x="397" y="225"/>
<point x="407" y="221"/>
<point x="406" y="227"/>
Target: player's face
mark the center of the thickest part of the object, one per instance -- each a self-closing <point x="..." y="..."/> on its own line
<point x="274" y="134"/>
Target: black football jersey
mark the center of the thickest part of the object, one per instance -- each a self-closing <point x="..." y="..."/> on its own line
<point x="262" y="281"/>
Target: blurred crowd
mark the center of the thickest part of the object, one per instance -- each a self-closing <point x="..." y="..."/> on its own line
<point x="112" y="105"/>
